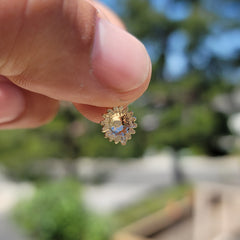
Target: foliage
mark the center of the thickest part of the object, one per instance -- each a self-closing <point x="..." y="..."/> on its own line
<point x="187" y="71"/>
<point x="68" y="137"/>
<point x="56" y="212"/>
<point x="151" y="204"/>
<point x="21" y="148"/>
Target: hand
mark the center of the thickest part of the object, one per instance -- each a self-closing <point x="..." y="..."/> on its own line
<point x="72" y="50"/>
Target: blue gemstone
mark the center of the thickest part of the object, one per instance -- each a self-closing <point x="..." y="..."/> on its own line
<point x="117" y="129"/>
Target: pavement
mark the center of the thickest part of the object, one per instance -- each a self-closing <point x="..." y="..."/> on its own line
<point x="10" y="193"/>
<point x="211" y="169"/>
<point x="128" y="182"/>
<point x="9" y="231"/>
<point x="122" y="183"/>
<point x="131" y="181"/>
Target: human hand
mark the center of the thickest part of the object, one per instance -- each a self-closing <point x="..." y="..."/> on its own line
<point x="71" y="50"/>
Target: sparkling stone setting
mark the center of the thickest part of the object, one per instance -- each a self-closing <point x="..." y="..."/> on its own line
<point x="118" y="125"/>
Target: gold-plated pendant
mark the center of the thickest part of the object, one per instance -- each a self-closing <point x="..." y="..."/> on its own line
<point x="118" y="125"/>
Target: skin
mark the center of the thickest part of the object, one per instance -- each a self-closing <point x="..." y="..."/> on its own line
<point x="47" y="55"/>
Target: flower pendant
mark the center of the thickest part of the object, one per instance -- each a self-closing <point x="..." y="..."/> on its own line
<point x="118" y="125"/>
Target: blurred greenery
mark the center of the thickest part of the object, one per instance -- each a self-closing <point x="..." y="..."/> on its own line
<point x="151" y="204"/>
<point x="182" y="103"/>
<point x="187" y="75"/>
<point x="57" y="212"/>
<point x="68" y="137"/>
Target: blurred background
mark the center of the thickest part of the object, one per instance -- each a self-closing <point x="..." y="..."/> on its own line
<point x="180" y="173"/>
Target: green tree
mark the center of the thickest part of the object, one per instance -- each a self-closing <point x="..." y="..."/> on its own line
<point x="188" y="72"/>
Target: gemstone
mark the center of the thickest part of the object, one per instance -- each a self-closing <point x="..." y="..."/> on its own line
<point x="118" y="125"/>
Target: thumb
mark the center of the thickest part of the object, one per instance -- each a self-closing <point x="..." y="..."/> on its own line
<point x="67" y="50"/>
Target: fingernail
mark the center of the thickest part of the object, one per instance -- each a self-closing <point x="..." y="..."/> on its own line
<point x="119" y="60"/>
<point x="12" y="102"/>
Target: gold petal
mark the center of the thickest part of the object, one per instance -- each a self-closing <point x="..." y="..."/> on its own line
<point x="132" y="131"/>
<point x="134" y="125"/>
<point x="110" y="111"/>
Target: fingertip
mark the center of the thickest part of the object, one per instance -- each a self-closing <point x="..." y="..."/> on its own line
<point x="12" y="102"/>
<point x="119" y="60"/>
<point x="38" y="110"/>
<point x="92" y="113"/>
